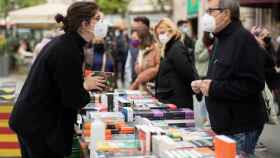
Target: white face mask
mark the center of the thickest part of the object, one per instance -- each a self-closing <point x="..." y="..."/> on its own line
<point x="208" y="23"/>
<point x="163" y="38"/>
<point x="117" y="33"/>
<point x="184" y="29"/>
<point x="278" y="39"/>
<point x="100" y="30"/>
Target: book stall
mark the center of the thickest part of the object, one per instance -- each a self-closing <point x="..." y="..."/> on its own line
<point x="133" y="124"/>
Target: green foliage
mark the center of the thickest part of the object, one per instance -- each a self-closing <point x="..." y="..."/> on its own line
<point x="3" y="44"/>
<point x="4" y="6"/>
<point x="28" y="3"/>
<point x="8" y="45"/>
<point x="113" y="6"/>
<point x="12" y="44"/>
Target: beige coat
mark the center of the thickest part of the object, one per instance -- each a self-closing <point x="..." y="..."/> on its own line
<point x="147" y="66"/>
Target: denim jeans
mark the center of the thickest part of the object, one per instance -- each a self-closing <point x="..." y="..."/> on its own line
<point x="246" y="142"/>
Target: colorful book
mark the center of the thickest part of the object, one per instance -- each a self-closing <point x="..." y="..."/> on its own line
<point x="225" y="147"/>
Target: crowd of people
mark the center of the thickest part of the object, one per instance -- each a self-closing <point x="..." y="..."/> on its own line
<point x="226" y="69"/>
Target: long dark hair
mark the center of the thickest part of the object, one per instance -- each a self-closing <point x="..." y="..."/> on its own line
<point x="76" y="14"/>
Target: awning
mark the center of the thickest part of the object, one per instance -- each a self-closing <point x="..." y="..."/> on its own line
<point x="37" y="16"/>
<point x="260" y="3"/>
<point x="147" y="6"/>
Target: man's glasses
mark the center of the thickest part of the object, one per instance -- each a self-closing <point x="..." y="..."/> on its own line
<point x="211" y="10"/>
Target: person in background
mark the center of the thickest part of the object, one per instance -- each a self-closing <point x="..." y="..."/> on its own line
<point x="130" y="74"/>
<point x="272" y="78"/>
<point x="24" y="52"/>
<point x="202" y="54"/>
<point x="277" y="67"/>
<point x="140" y="21"/>
<point x="278" y="54"/>
<point x="102" y="59"/>
<point x="55" y="90"/>
<point x="24" y="48"/>
<point x="121" y="49"/>
<point x="176" y="72"/>
<point x="147" y="64"/>
<point x="46" y="39"/>
<point x="262" y="35"/>
<point x="185" y="28"/>
<point x="264" y="39"/>
<point x="235" y="78"/>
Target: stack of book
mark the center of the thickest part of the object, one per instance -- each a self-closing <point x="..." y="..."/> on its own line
<point x="190" y="153"/>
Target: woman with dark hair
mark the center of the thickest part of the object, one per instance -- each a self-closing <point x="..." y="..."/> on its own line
<point x="147" y="63"/>
<point x="46" y="109"/>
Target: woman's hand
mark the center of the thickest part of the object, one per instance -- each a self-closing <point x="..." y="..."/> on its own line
<point x="260" y="34"/>
<point x="134" y="86"/>
<point x="94" y="83"/>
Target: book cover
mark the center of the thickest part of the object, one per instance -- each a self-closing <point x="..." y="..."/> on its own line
<point x="224" y="147"/>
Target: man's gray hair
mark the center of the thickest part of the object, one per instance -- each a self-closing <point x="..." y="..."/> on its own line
<point x="233" y="6"/>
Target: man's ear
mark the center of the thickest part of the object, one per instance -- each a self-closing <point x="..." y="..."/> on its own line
<point x="228" y="13"/>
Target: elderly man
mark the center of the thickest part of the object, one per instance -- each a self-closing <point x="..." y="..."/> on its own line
<point x="235" y="77"/>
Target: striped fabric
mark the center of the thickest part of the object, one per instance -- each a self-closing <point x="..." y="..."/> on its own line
<point x="9" y="146"/>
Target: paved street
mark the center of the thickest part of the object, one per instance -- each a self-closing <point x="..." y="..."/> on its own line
<point x="271" y="138"/>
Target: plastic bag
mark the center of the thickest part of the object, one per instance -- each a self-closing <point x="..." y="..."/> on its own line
<point x="271" y="106"/>
<point x="201" y="116"/>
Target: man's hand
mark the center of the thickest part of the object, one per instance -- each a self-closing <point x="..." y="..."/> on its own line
<point x="196" y="86"/>
<point x="205" y="86"/>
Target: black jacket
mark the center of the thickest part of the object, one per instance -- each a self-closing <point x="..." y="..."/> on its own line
<point x="173" y="82"/>
<point x="272" y="78"/>
<point x="277" y="56"/>
<point x="235" y="103"/>
<point x="189" y="44"/>
<point x="52" y="94"/>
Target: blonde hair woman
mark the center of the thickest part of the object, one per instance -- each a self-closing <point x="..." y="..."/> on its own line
<point x="173" y="83"/>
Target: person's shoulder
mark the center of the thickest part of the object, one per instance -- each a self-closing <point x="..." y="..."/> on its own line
<point x="179" y="46"/>
<point x="59" y="43"/>
<point x="244" y="34"/>
<point x="247" y="40"/>
<point x="62" y="39"/>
